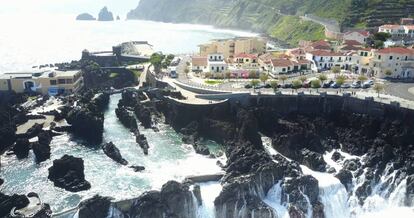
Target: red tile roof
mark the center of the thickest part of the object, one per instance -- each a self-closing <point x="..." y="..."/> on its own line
<point x="409" y="27"/>
<point x="350" y="48"/>
<point x="244" y="55"/>
<point x="282" y="62"/>
<point x="362" y="32"/>
<point x="325" y="53"/>
<point x="199" y="61"/>
<point x="390" y="26"/>
<point x="352" y="43"/>
<point x="396" y="50"/>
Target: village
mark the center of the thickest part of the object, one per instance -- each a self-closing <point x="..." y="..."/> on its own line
<point x="355" y="59"/>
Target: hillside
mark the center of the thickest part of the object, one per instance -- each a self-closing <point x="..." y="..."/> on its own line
<point x="267" y="15"/>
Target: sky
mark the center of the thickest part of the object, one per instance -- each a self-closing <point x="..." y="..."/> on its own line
<point x="118" y="7"/>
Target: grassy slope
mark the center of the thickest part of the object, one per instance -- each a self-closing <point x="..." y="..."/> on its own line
<point x="292" y="29"/>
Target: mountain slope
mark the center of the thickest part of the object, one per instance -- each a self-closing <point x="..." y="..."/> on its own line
<point x="265" y="15"/>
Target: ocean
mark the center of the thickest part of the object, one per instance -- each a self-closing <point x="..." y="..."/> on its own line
<point x="28" y="40"/>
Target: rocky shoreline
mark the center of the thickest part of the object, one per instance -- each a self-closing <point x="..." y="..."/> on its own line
<point x="381" y="141"/>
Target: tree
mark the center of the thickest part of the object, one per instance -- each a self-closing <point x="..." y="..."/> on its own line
<point x="252" y="74"/>
<point x="388" y="72"/>
<point x="336" y="70"/>
<point x="227" y="74"/>
<point x="207" y="75"/>
<point x="340" y="80"/>
<point x="274" y="84"/>
<point x="186" y="71"/>
<point x="322" y="78"/>
<point x="378" y="87"/>
<point x="303" y="79"/>
<point x="264" y="77"/>
<point x="316" y="84"/>
<point x="156" y="61"/>
<point x="362" y="78"/>
<point x="254" y="83"/>
<point x="296" y="84"/>
<point x="283" y="78"/>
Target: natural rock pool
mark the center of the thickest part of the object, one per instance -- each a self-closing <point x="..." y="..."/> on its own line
<point x="168" y="159"/>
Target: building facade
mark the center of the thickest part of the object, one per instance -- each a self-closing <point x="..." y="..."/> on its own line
<point x="230" y="47"/>
<point x="47" y="82"/>
<point x="216" y="63"/>
<point x="398" y="62"/>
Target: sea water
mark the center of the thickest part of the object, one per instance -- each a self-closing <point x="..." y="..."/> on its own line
<point x="168" y="159"/>
<point x="32" y="39"/>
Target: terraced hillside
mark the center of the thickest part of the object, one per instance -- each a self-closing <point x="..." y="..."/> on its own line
<point x="265" y="15"/>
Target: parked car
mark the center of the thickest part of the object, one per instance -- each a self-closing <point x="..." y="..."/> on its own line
<point x="335" y="85"/>
<point x="327" y="84"/>
<point x="267" y="86"/>
<point x="287" y="85"/>
<point x="259" y="87"/>
<point x="366" y="86"/>
<point x="356" y="85"/>
<point x="247" y="86"/>
<point x="369" y="82"/>
<point x="345" y="86"/>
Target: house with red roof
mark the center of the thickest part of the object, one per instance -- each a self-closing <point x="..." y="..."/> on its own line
<point x="324" y="60"/>
<point x="246" y="61"/>
<point x="198" y="64"/>
<point x="396" y="62"/>
<point x="284" y="66"/>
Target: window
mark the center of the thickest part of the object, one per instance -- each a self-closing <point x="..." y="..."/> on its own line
<point x="61" y="81"/>
<point x="379" y="57"/>
<point x="52" y="82"/>
<point x="406" y="57"/>
<point x="69" y="81"/>
<point x="390" y="57"/>
<point x="222" y="68"/>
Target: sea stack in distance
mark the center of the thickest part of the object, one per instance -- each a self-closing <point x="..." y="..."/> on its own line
<point x="105" y="15"/>
<point x="85" y="16"/>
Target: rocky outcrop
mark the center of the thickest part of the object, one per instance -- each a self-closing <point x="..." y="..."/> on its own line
<point x="68" y="173"/>
<point x="95" y="207"/>
<point x="301" y="192"/>
<point x="86" y="124"/>
<point x="105" y="15"/>
<point x="345" y="177"/>
<point x="137" y="168"/>
<point x="142" y="142"/>
<point x="174" y="200"/>
<point x="21" y="148"/>
<point x="41" y="148"/>
<point x="113" y="152"/>
<point x="7" y="203"/>
<point x="127" y="118"/>
<point x="85" y="16"/>
<point x="87" y="119"/>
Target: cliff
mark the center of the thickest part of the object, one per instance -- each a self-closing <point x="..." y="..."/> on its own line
<point x="266" y="15"/>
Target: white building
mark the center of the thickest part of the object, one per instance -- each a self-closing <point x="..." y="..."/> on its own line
<point x="394" y="30"/>
<point x="198" y="64"/>
<point x="324" y="60"/>
<point x="360" y="36"/>
<point x="398" y="61"/>
<point x="216" y="63"/>
<point x="284" y="66"/>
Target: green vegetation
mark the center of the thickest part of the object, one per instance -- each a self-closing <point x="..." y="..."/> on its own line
<point x="254" y="83"/>
<point x="292" y="29"/>
<point x="137" y="74"/>
<point x="316" y="84"/>
<point x="378" y="87"/>
<point x="269" y="16"/>
<point x="296" y="84"/>
<point x="213" y="82"/>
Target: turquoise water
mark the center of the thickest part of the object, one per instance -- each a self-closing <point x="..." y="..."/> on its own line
<point x="168" y="159"/>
